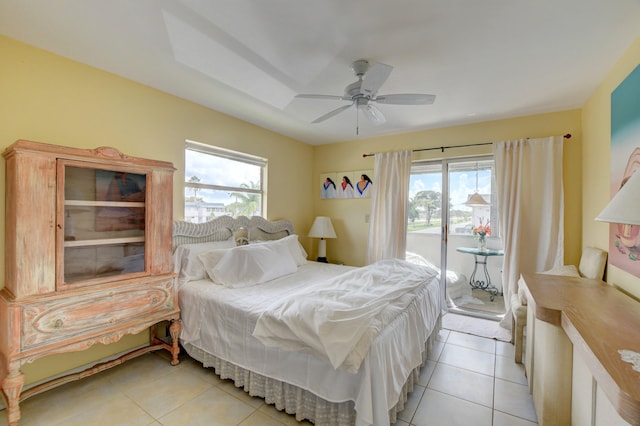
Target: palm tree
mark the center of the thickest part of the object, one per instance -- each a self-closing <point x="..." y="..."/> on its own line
<point x="247" y="203"/>
<point x="195" y="179"/>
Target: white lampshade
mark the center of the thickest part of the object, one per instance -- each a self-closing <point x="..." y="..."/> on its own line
<point x="322" y="228"/>
<point x="476" y="200"/>
<point x="624" y="207"/>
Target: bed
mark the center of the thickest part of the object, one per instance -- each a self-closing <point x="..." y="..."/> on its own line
<point x="239" y="325"/>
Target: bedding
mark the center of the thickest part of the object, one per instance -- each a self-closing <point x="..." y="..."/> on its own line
<point x="219" y="322"/>
<point x="248" y="264"/>
<point x="337" y="319"/>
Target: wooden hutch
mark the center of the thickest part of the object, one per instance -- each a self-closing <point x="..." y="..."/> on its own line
<point x="87" y="258"/>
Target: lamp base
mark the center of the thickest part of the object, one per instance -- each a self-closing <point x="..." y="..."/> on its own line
<point x="322" y="259"/>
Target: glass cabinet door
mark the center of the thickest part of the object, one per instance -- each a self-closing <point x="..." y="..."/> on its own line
<point x="103" y="232"/>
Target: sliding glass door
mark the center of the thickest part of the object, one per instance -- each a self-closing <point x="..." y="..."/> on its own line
<point x="453" y="225"/>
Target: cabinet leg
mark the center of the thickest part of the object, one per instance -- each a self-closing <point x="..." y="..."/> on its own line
<point x="174" y="330"/>
<point x="12" y="388"/>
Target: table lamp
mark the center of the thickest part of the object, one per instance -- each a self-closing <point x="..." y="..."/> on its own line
<point x="322" y="228"/>
<point x="624" y="209"/>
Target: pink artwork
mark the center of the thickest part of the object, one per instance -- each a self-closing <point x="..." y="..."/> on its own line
<point x="624" y="240"/>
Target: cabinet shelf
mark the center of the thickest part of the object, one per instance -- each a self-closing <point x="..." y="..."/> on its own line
<point x="83" y="203"/>
<point x="103" y="241"/>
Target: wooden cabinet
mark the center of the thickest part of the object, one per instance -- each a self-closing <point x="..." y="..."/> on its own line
<point x="575" y="330"/>
<point x="87" y="257"/>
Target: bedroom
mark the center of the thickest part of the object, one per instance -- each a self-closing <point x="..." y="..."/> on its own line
<point x="49" y="98"/>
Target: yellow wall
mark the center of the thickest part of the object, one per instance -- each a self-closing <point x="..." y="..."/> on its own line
<point x="48" y="98"/>
<point x="596" y="118"/>
<point x="348" y="216"/>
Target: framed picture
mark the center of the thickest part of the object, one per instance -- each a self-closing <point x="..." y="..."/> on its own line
<point x="346" y="185"/>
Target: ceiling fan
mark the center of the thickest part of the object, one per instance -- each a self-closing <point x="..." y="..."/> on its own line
<point x="364" y="92"/>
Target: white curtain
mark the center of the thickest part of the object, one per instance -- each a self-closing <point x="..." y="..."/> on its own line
<point x="530" y="208"/>
<point x="389" y="206"/>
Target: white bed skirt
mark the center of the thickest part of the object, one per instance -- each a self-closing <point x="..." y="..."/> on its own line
<point x="299" y="402"/>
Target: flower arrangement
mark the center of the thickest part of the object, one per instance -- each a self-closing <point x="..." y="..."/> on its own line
<point x="482" y="230"/>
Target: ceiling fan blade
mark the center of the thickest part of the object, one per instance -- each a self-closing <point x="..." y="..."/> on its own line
<point x="373" y="79"/>
<point x="373" y="114"/>
<point x="331" y="97"/>
<point x="406" y="99"/>
<point x="331" y="113"/>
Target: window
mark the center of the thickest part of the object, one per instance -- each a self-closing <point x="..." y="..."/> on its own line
<point x="221" y="182"/>
<point x="465" y="177"/>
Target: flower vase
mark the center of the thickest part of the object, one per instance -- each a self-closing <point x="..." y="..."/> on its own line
<point x="482" y="243"/>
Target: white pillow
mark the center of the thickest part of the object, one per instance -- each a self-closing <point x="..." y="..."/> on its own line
<point x="186" y="262"/>
<point x="563" y="270"/>
<point x="248" y="265"/>
<point x="295" y="248"/>
<point x="298" y="253"/>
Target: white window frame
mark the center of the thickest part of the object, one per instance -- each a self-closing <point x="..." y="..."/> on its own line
<point x="230" y="155"/>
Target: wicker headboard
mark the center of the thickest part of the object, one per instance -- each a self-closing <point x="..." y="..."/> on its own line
<point x="223" y="227"/>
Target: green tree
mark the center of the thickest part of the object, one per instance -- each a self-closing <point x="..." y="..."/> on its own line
<point x="413" y="211"/>
<point x="246" y="203"/>
<point x="195" y="179"/>
<point x="429" y="201"/>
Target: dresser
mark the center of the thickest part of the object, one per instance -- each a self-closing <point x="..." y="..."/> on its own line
<point x="87" y="258"/>
<point x="576" y="328"/>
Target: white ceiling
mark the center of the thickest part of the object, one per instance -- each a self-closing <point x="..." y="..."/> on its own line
<point x="484" y="60"/>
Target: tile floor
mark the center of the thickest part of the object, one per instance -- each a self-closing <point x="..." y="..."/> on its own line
<point x="468" y="380"/>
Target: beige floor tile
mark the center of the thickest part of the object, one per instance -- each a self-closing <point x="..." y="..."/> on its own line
<point x="229" y="387"/>
<point x="470" y="359"/>
<point x="443" y="335"/>
<point x="435" y="351"/>
<point x="61" y="403"/>
<point x="438" y="409"/>
<point x="259" y="419"/>
<point x="118" y="411"/>
<point x="412" y="403"/>
<point x="472" y="342"/>
<point x="503" y="419"/>
<point x="425" y="373"/>
<point x="212" y="407"/>
<point x="281" y="416"/>
<point x="507" y="369"/>
<point x="515" y="399"/>
<point x="166" y="392"/>
<point x="141" y="369"/>
<point x="505" y="349"/>
<point x="461" y="383"/>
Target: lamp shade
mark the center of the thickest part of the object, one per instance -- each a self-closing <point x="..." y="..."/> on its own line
<point x="322" y="228"/>
<point x="476" y="200"/>
<point x="624" y="207"/>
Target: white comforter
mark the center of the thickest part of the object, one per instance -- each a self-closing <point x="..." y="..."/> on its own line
<point x="338" y="319"/>
<point x="221" y="320"/>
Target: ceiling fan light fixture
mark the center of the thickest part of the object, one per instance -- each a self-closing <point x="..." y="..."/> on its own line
<point x="365" y="90"/>
<point x="372" y="113"/>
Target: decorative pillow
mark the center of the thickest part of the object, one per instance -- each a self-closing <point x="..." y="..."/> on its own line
<point x="244" y="266"/>
<point x="186" y="262"/>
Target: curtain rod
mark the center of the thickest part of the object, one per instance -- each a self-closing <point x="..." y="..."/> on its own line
<point x="567" y="136"/>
